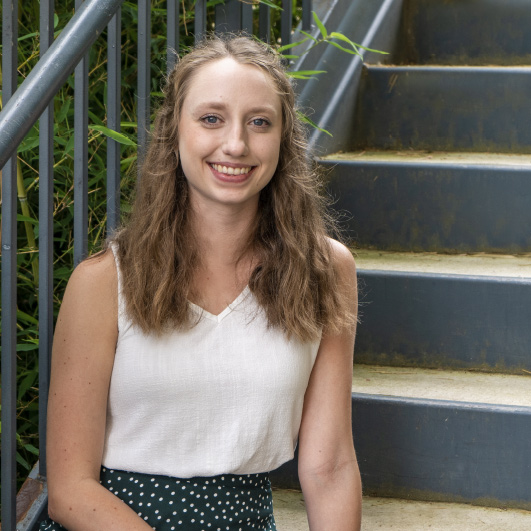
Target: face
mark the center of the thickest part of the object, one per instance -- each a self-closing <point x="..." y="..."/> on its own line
<point x="229" y="134"/>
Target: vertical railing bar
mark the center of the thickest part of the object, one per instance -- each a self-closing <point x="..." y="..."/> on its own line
<point x="9" y="280"/>
<point x="81" y="157"/>
<point x="220" y="18"/>
<point x="264" y="23"/>
<point x="45" y="240"/>
<point x="113" y="120"/>
<point x="286" y="22"/>
<point x="200" y="20"/>
<point x="229" y="16"/>
<point x="307" y="15"/>
<point x="173" y="34"/>
<point x="247" y="18"/>
<point x="144" y="76"/>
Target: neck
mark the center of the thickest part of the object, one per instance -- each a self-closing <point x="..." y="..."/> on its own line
<point x="223" y="231"/>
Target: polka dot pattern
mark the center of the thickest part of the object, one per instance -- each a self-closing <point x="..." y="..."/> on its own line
<point x="220" y="503"/>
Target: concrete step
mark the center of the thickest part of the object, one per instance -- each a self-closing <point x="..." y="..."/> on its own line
<point x="475" y="32"/>
<point x="406" y="515"/>
<point x="444" y="109"/>
<point x="459" y="386"/>
<point x="477" y="264"/>
<point x="433" y="201"/>
<point x="290" y="510"/>
<point x="436" y="311"/>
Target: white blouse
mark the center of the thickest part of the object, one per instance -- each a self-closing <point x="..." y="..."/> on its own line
<point x="223" y="397"/>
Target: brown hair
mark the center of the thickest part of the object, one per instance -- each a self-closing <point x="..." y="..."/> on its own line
<point x="295" y="281"/>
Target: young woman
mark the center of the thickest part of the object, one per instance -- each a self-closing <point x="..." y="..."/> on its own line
<point x="217" y="330"/>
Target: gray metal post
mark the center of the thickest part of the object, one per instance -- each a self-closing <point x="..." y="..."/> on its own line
<point x="247" y="18"/>
<point x="114" y="74"/>
<point x="200" y="20"/>
<point x="45" y="240"/>
<point x="9" y="280"/>
<point x="144" y="76"/>
<point x="307" y="15"/>
<point x="286" y="22"/>
<point x="173" y="33"/>
<point x="81" y="157"/>
<point x="228" y="16"/>
<point x="264" y="23"/>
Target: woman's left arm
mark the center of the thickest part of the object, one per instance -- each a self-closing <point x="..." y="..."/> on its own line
<point x="328" y="470"/>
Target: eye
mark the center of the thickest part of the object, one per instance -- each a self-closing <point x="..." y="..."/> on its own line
<point x="260" y="122"/>
<point x="210" y="119"/>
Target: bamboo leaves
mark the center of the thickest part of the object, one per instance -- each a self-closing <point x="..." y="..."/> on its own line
<point x="325" y="37"/>
<point x="118" y="137"/>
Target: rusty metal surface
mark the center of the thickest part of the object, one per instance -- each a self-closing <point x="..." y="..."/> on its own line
<point x="31" y="503"/>
<point x="28" y="494"/>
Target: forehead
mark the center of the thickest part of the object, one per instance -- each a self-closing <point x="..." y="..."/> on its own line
<point x="226" y="80"/>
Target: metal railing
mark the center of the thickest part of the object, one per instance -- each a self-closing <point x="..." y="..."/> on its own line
<point x="23" y="106"/>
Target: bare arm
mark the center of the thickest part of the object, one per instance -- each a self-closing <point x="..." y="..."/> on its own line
<point x="83" y="356"/>
<point x="328" y="469"/>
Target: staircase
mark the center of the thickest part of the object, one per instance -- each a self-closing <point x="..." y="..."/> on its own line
<point x="433" y="173"/>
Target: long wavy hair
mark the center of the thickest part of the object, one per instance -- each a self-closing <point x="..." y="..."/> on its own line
<point x="294" y="281"/>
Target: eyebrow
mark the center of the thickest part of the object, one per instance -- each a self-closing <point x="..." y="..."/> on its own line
<point x="216" y="105"/>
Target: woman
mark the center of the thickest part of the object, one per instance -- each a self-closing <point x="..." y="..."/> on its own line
<point x="217" y="330"/>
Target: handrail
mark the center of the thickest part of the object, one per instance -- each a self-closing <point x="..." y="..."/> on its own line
<point x="38" y="89"/>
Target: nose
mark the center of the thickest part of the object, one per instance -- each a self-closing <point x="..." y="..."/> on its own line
<point x="235" y="142"/>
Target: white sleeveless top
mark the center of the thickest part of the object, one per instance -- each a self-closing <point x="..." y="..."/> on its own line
<point x="224" y="397"/>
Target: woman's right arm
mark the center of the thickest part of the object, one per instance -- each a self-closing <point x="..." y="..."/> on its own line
<point x="82" y="361"/>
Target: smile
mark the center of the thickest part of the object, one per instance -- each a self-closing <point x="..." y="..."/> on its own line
<point x="230" y="170"/>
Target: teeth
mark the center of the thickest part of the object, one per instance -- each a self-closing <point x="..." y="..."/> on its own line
<point x="230" y="170"/>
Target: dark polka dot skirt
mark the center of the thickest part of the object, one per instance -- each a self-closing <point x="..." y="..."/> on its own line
<point x="220" y="503"/>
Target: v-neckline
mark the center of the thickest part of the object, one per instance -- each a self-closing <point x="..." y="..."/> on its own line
<point x="220" y="316"/>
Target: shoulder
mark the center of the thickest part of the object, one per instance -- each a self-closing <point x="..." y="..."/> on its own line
<point x="94" y="283"/>
<point x="342" y="260"/>
<point x="98" y="270"/>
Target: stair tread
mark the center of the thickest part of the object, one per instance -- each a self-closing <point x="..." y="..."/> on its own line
<point x="479" y="264"/>
<point x="459" y="386"/>
<point x="434" y="67"/>
<point x="434" y="157"/>
<point x="405" y="515"/>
